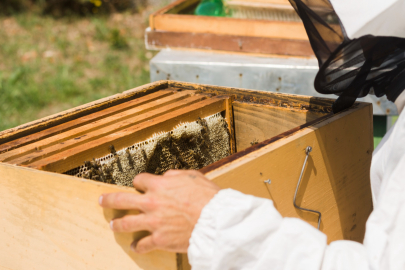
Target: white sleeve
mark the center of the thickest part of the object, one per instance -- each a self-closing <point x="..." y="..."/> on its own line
<point x="237" y="231"/>
<point x="371" y="17"/>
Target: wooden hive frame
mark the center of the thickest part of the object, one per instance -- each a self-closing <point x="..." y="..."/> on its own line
<point x="53" y="220"/>
<point x="60" y="149"/>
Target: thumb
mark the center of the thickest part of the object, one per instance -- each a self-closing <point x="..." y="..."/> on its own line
<point x="144" y="245"/>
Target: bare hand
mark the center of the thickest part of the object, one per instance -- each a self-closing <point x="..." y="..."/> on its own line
<point x="170" y="208"/>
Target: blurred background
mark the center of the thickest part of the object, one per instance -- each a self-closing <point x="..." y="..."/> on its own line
<point x="57" y="54"/>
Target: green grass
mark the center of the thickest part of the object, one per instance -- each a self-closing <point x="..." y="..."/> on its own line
<point x="48" y="65"/>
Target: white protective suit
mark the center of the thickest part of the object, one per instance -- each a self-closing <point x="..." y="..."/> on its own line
<point x="237" y="231"/>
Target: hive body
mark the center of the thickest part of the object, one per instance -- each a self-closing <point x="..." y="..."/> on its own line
<point x="238" y="138"/>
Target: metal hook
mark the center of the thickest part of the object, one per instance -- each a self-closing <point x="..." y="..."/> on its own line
<point x="307" y="151"/>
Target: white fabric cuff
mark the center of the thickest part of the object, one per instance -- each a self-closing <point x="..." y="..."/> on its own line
<point x="223" y="223"/>
<point x="202" y="241"/>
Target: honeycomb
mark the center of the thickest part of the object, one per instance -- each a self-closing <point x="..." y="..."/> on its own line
<point x="192" y="145"/>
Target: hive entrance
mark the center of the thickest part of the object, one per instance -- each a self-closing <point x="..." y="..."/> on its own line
<point x="192" y="145"/>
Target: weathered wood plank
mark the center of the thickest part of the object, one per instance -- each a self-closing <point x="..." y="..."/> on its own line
<point x="53" y="221"/>
<point x="299" y="102"/>
<point x="97" y="131"/>
<point x="157" y="40"/>
<point x="83" y="120"/>
<point x="336" y="180"/>
<point x="229" y="117"/>
<point x="74" y="157"/>
<point x="255" y="123"/>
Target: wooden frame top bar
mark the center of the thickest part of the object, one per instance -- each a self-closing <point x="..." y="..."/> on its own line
<point x="268" y="98"/>
<point x="74" y="113"/>
<point x="107" y="124"/>
<point x="96" y="132"/>
<point x="71" y="158"/>
<point x="82" y="121"/>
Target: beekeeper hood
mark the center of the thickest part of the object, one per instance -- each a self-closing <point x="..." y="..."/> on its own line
<point x="360" y="46"/>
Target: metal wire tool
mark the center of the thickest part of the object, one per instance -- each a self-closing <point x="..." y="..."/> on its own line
<point x="307" y="151"/>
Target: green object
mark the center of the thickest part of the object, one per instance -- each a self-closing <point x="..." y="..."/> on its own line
<point x="379" y="128"/>
<point x="393" y="120"/>
<point x="210" y="8"/>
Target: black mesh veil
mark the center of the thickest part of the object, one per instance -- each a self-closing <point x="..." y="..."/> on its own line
<point x="351" y="68"/>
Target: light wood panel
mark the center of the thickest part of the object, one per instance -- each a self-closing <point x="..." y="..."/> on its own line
<point x="157" y="40"/>
<point x="53" y="221"/>
<point x="229" y="26"/>
<point x="336" y="180"/>
<point x="255" y="123"/>
<point x="71" y="158"/>
<point x="83" y="120"/>
<point x="98" y="128"/>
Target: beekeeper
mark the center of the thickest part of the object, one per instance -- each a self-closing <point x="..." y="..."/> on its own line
<point x="360" y="47"/>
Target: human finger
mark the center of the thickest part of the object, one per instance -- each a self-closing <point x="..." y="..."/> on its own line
<point x="144" y="245"/>
<point x="121" y="200"/>
<point x="174" y="172"/>
<point x="130" y="223"/>
<point x="143" y="181"/>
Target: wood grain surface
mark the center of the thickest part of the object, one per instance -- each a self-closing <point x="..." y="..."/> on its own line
<point x="230" y="121"/>
<point x="74" y="113"/>
<point x="74" y="157"/>
<point x="289" y="101"/>
<point x="175" y="18"/>
<point x="228" y="26"/>
<point x="262" y="97"/>
<point x="157" y="40"/>
<point x="336" y="181"/>
<point x="96" y="130"/>
<point x="53" y="221"/>
<point x="83" y="120"/>
<point x="255" y="123"/>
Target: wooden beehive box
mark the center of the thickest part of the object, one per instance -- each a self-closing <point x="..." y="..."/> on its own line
<point x="49" y="220"/>
<point x="174" y="26"/>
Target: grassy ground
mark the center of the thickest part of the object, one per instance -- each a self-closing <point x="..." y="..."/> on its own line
<point x="48" y="65"/>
